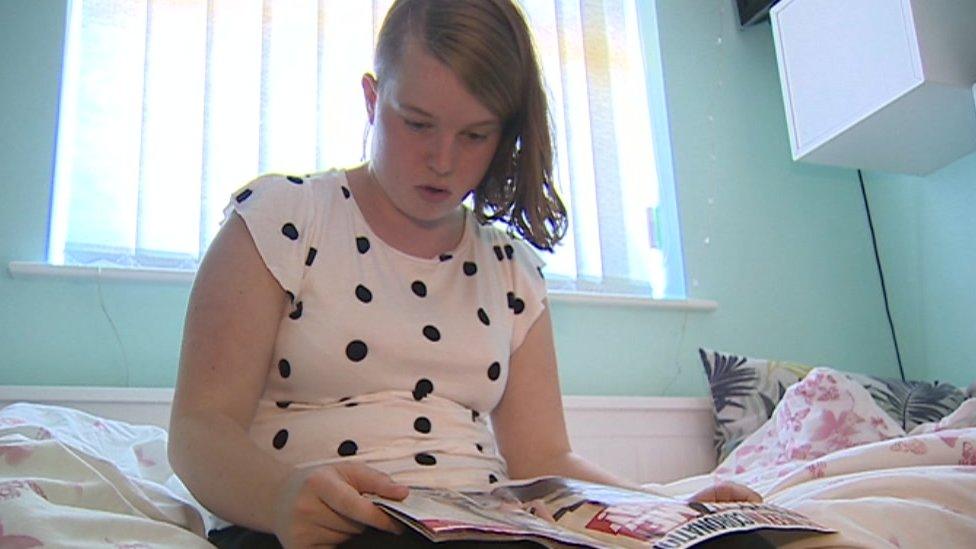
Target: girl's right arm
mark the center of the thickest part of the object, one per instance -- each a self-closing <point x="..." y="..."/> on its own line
<point x="228" y="337"/>
<point x="228" y="340"/>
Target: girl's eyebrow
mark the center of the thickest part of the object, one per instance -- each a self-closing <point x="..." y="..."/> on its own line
<point x="417" y="110"/>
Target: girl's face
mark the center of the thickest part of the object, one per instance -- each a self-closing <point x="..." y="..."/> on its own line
<point x="432" y="140"/>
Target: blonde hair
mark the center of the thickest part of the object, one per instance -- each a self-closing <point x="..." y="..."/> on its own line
<point x="488" y="46"/>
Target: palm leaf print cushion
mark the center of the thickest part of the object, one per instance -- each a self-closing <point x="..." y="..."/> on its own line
<point x="911" y="403"/>
<point x="745" y="391"/>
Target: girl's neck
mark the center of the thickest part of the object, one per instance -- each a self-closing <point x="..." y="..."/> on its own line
<point x="402" y="232"/>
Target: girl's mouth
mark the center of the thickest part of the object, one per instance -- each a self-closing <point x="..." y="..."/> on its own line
<point x="433" y="194"/>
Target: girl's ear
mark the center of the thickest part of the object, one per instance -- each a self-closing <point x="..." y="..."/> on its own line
<point x="370" y="94"/>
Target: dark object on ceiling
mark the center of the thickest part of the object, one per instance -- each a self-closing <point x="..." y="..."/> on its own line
<point x="751" y="12"/>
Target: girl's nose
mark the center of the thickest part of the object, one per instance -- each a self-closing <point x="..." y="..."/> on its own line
<point x="442" y="156"/>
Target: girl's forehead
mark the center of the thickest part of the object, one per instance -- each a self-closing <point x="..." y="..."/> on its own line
<point x="429" y="87"/>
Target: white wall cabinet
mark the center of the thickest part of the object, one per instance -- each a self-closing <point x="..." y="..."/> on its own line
<point x="883" y="85"/>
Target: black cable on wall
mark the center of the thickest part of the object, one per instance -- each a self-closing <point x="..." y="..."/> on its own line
<point x="884" y="289"/>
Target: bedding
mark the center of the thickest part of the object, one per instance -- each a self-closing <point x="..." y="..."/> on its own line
<point x="829" y="451"/>
<point x="745" y="391"/>
<point x="68" y="478"/>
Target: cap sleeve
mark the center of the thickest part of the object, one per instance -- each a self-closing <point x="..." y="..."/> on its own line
<point x="278" y="213"/>
<point x="527" y="298"/>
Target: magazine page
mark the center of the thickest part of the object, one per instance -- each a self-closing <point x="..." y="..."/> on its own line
<point x="628" y="518"/>
<point x="442" y="515"/>
<point x="558" y="511"/>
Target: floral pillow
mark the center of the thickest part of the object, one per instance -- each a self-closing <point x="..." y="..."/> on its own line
<point x="746" y="390"/>
<point x="744" y="393"/>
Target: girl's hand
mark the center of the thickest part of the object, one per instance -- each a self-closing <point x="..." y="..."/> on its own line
<point x="724" y="492"/>
<point x="324" y="506"/>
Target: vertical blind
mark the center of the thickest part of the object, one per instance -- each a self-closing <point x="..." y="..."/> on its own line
<point x="167" y="106"/>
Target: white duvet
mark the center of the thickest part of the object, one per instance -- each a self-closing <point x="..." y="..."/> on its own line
<point x="70" y="479"/>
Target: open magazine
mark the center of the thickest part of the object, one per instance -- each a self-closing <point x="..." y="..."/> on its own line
<point x="560" y="512"/>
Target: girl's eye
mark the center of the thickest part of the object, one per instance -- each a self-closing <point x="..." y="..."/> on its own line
<point x="476" y="136"/>
<point x="414" y="125"/>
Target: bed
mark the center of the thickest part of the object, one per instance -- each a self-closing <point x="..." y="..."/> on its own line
<point x="74" y="478"/>
<point x="830" y="452"/>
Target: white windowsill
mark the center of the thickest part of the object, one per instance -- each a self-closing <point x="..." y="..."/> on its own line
<point x="36" y="269"/>
<point x="31" y="269"/>
<point x="697" y="305"/>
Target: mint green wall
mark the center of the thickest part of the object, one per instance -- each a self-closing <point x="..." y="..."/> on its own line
<point x="926" y="227"/>
<point x="787" y="255"/>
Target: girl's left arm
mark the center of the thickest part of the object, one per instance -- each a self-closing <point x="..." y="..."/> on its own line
<point x="531" y="430"/>
<point x="528" y="422"/>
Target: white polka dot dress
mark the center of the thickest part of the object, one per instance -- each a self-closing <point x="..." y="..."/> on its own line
<point x="383" y="357"/>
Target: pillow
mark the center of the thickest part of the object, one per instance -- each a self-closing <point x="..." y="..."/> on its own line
<point x="746" y="390"/>
<point x="912" y="403"/>
<point x="744" y="393"/>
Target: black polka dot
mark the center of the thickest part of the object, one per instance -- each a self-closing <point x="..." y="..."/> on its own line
<point x="297" y="313"/>
<point x="470" y="268"/>
<point x="483" y="317"/>
<point x="356" y="350"/>
<point x="362" y="244"/>
<point x="344" y="399"/>
<point x="518" y="306"/>
<point x="494" y="371"/>
<point x="283" y="404"/>
<point x="542" y="276"/>
<point x="363" y="293"/>
<point x="289" y="230"/>
<point x="509" y="251"/>
<point x="244" y="195"/>
<point x="492" y="479"/>
<point x="348" y="448"/>
<point x="515" y="304"/>
<point x="295" y="179"/>
<point x="284" y="368"/>
<point x="310" y="258"/>
<point x="291" y="296"/>
<point x="345" y="191"/>
<point x="419" y="288"/>
<point x="352" y="404"/>
<point x="474" y="415"/>
<point x="479" y="447"/>
<point x="280" y="439"/>
<point x="445" y="257"/>
<point x="432" y="333"/>
<point x="498" y="252"/>
<point x="421" y="425"/>
<point x="425" y="459"/>
<point x="423" y="388"/>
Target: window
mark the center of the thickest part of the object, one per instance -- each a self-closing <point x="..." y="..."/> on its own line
<point x="167" y="106"/>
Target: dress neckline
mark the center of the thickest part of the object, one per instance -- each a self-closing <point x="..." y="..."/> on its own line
<point x="468" y="228"/>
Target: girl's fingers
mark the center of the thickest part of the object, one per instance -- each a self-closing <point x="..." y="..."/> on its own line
<point x="326" y="517"/>
<point x="343" y="497"/>
<point x="727" y="492"/>
<point x="324" y="537"/>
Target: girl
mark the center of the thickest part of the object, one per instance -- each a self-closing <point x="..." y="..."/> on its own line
<point x="351" y="332"/>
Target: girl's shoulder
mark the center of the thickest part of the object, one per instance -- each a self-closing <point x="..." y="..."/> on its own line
<point x="326" y="184"/>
